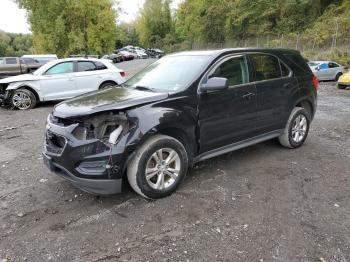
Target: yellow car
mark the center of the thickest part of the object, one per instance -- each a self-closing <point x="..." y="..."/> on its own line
<point x="344" y="81"/>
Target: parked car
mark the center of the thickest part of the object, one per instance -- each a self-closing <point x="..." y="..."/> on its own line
<point x="42" y="59"/>
<point x="344" y="80"/>
<point x="326" y="70"/>
<point x="180" y="110"/>
<point x="115" y="58"/>
<point x="58" y="80"/>
<point x="155" y="53"/>
<point x="128" y="55"/>
<point x="10" y="66"/>
<point x="137" y="51"/>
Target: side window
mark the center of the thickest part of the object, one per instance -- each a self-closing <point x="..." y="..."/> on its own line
<point x="284" y="69"/>
<point x="1" y="61"/>
<point x="266" y="67"/>
<point x="100" y="66"/>
<point x="234" y="69"/>
<point x="11" y="61"/>
<point x="62" y="68"/>
<point x="333" y="65"/>
<point x="84" y="66"/>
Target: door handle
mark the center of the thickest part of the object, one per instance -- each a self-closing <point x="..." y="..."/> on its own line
<point x="248" y="96"/>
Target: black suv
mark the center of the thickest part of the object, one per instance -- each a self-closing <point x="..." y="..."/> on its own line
<point x="182" y="109"/>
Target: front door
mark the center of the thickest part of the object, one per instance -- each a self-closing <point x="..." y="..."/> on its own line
<point x="228" y="116"/>
<point x="58" y="82"/>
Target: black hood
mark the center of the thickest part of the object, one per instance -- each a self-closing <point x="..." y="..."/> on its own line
<point x="107" y="99"/>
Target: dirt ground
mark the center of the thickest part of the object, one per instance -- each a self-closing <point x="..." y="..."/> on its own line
<point x="262" y="203"/>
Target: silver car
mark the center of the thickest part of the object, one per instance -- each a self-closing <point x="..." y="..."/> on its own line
<point x="326" y="70"/>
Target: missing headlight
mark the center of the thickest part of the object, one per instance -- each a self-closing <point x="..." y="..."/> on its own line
<point x="107" y="128"/>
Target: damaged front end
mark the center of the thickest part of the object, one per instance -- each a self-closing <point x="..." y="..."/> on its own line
<point x="89" y="151"/>
<point x="4" y="94"/>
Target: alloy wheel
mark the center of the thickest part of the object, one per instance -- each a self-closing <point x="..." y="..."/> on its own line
<point x="299" y="128"/>
<point x="21" y="100"/>
<point x="162" y="169"/>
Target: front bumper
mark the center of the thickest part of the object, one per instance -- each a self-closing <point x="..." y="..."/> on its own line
<point x="88" y="164"/>
<point x="94" y="186"/>
<point x="344" y="83"/>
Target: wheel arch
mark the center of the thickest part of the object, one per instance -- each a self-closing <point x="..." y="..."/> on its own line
<point x="107" y="81"/>
<point x="29" y="88"/>
<point x="307" y="105"/>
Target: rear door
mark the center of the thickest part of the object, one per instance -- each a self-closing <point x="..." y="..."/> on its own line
<point x="275" y="87"/>
<point x="58" y="82"/>
<point x="228" y="116"/>
<point x="87" y="77"/>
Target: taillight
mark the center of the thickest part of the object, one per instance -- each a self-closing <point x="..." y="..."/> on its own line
<point x="315" y="82"/>
<point x="122" y="73"/>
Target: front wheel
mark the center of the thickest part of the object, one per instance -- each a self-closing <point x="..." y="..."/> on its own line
<point x="158" y="167"/>
<point x="23" y="99"/>
<point x="297" y="129"/>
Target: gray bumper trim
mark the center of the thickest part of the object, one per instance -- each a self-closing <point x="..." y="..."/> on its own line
<point x="94" y="186"/>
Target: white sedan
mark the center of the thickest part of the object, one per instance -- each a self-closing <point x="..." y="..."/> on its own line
<point x="58" y="80"/>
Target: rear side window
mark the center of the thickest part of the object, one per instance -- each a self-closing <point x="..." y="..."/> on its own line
<point x="84" y="66"/>
<point x="266" y="67"/>
<point x="297" y="63"/>
<point x="11" y="61"/>
<point x="234" y="69"/>
<point x="333" y="65"/>
<point x="100" y="66"/>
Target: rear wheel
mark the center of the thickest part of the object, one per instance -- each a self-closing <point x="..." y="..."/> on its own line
<point x="158" y="167"/>
<point x="107" y="84"/>
<point x="23" y="99"/>
<point x="297" y="129"/>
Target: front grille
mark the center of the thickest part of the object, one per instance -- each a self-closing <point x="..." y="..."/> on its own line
<point x="54" y="143"/>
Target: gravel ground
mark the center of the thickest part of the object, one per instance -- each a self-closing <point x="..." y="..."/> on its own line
<point x="262" y="203"/>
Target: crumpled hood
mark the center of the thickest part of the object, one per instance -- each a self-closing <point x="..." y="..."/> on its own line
<point x="113" y="98"/>
<point x="19" y="78"/>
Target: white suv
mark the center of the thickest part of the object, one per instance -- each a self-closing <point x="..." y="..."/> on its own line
<point x="59" y="80"/>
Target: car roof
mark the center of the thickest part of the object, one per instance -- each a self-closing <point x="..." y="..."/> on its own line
<point x="76" y="59"/>
<point x="217" y="52"/>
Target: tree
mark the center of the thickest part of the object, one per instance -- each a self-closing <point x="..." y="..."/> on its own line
<point x="15" y="44"/>
<point x="70" y="26"/>
<point x="154" y="23"/>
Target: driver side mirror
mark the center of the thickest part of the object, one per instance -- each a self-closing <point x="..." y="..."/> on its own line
<point x="215" y="83"/>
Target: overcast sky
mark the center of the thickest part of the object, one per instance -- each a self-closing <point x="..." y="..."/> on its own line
<point x="13" y="19"/>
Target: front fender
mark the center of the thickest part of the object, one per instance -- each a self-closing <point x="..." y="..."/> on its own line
<point x="31" y="85"/>
<point x="170" y="120"/>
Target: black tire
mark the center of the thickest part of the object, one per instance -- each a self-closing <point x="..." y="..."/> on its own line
<point x="290" y="137"/>
<point x="107" y="84"/>
<point x="339" y="86"/>
<point x="28" y="101"/>
<point x="143" y="157"/>
<point x="337" y="77"/>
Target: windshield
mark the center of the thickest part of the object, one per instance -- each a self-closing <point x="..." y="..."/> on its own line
<point x="169" y="73"/>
